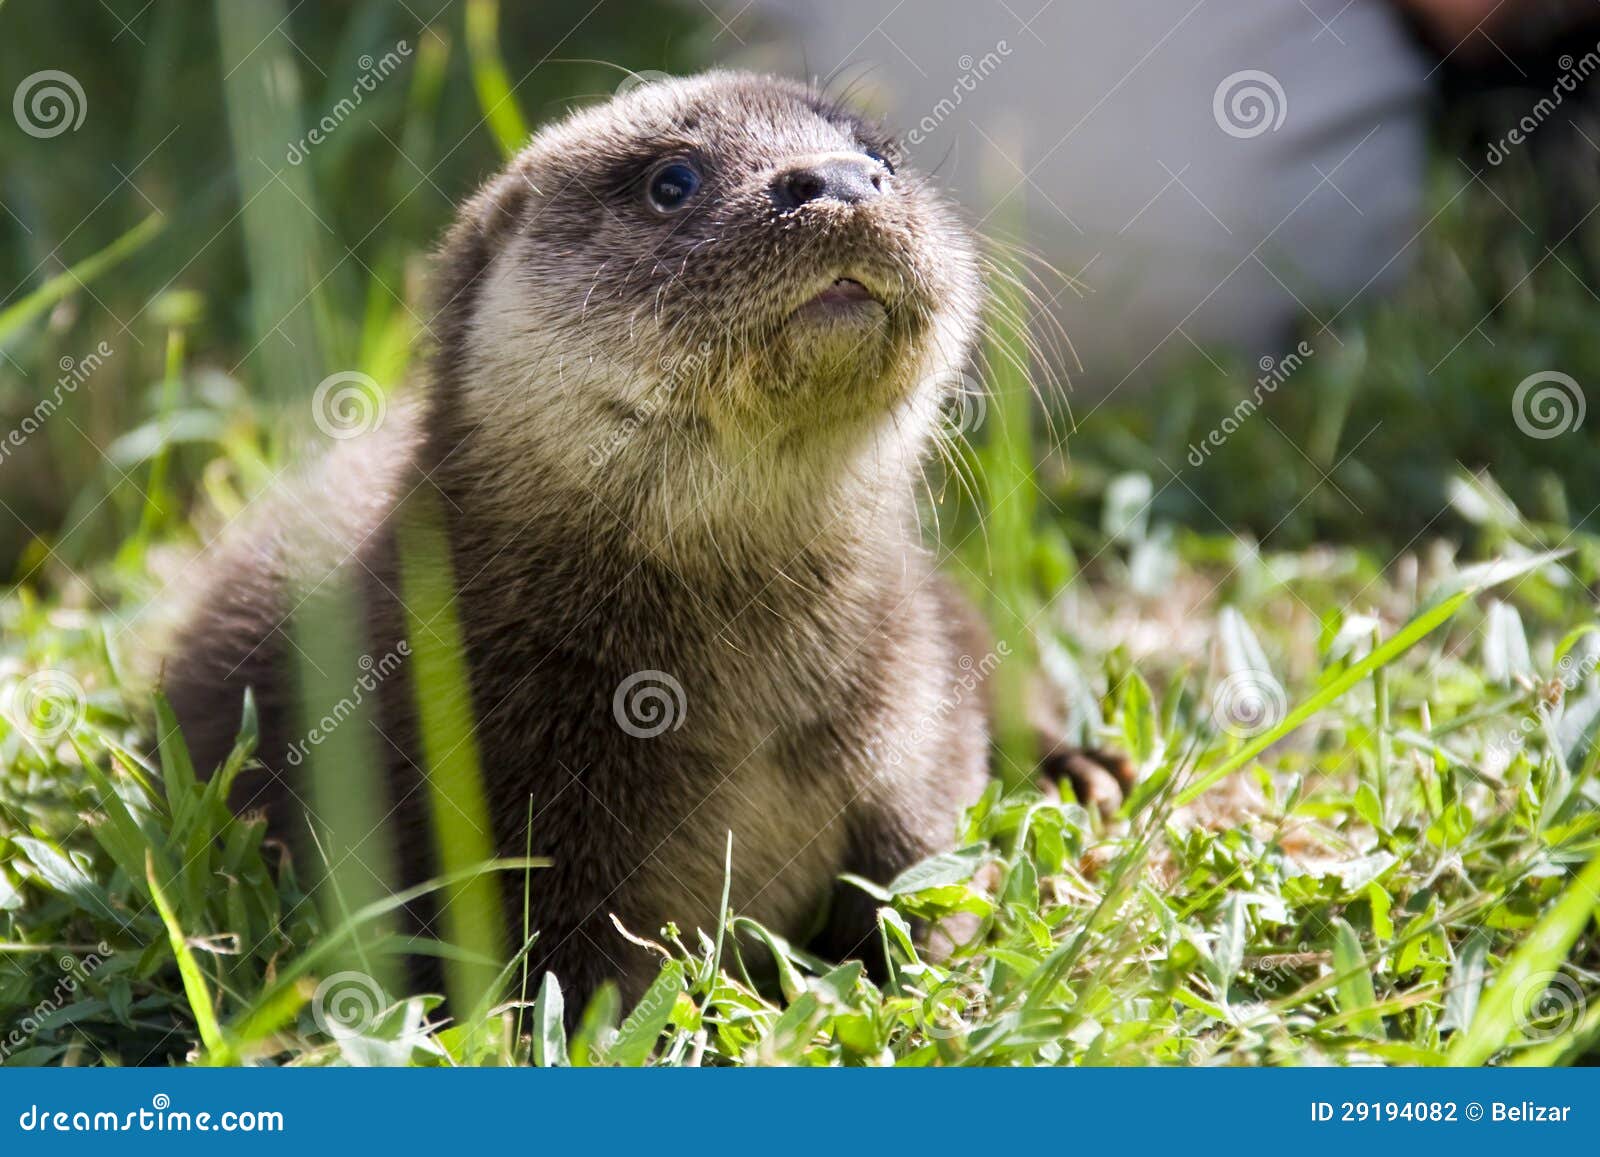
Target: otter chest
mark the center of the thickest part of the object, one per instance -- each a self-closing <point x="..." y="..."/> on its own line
<point x="790" y="829"/>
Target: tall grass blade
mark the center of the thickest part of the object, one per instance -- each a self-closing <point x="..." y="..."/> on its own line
<point x="18" y="314"/>
<point x="463" y="836"/>
<point x="282" y="232"/>
<point x="1497" y="1023"/>
<point x="489" y="78"/>
<point x="337" y="687"/>
<point x="219" y="1051"/>
<point x="1006" y="461"/>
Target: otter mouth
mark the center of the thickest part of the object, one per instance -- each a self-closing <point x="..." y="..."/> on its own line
<point x="844" y="299"/>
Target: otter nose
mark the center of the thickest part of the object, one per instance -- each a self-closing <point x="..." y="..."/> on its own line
<point x="847" y="177"/>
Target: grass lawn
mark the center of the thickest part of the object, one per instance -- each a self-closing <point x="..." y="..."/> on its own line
<point x="1401" y="878"/>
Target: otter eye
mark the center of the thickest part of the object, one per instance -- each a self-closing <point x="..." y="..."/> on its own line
<point x="881" y="159"/>
<point x="671" y="186"/>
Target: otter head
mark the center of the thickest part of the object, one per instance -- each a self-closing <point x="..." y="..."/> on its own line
<point x="719" y="283"/>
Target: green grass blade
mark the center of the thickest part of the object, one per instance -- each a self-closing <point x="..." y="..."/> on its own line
<point x="120" y="834"/>
<point x="636" y="1038"/>
<point x="218" y="1049"/>
<point x="1355" y="992"/>
<point x="549" y="1025"/>
<point x="341" y="769"/>
<point x="489" y="77"/>
<point x="1006" y="461"/>
<point x="292" y="280"/>
<point x="45" y="298"/>
<point x="722" y="911"/>
<point x="462" y="833"/>
<point x="1496" y="1023"/>
<point x="177" y="769"/>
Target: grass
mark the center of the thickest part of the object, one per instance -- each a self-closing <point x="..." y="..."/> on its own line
<point x="1291" y="913"/>
<point x="1367" y="827"/>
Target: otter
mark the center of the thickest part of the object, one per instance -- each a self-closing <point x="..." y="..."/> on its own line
<point x="689" y="349"/>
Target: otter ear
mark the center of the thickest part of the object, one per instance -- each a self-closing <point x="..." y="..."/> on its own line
<point x="482" y="226"/>
<point x="500" y="205"/>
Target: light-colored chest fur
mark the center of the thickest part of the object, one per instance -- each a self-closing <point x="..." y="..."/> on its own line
<point x="802" y="746"/>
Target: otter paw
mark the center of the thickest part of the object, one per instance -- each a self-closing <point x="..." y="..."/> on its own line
<point x="1099" y="779"/>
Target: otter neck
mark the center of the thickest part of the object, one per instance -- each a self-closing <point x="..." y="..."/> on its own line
<point x="714" y="513"/>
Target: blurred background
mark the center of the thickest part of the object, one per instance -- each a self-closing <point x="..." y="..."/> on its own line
<point x="1371" y="223"/>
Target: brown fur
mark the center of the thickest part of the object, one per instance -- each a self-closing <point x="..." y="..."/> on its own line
<point x="646" y="466"/>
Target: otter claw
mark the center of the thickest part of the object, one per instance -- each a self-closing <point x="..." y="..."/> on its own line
<point x="1100" y="779"/>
